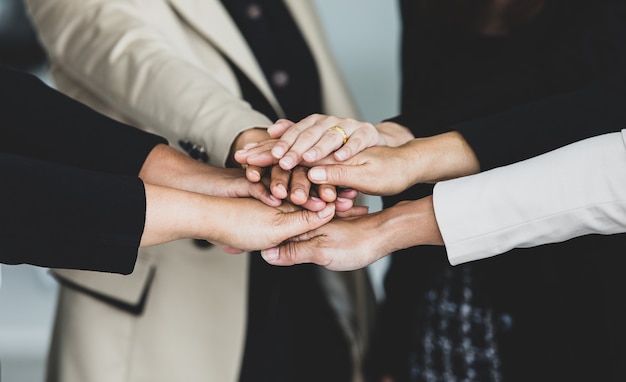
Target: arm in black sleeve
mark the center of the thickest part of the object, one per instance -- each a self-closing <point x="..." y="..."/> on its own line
<point x="538" y="127"/>
<point x="65" y="217"/>
<point x="40" y="122"/>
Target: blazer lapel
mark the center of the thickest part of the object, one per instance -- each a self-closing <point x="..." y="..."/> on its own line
<point x="211" y="20"/>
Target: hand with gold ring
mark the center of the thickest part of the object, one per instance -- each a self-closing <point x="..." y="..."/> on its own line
<point x="318" y="136"/>
<point x="343" y="133"/>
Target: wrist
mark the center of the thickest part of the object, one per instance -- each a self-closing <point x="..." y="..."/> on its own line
<point x="393" y="134"/>
<point x="252" y="135"/>
<point x="411" y="223"/>
<point x="441" y="157"/>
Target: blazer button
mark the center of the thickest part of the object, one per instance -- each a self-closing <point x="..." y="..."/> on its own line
<point x="202" y="243"/>
<point x="195" y="151"/>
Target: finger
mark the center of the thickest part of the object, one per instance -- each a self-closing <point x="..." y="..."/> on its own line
<point x="261" y="192"/>
<point x="343" y="204"/>
<point x="330" y="141"/>
<point x="292" y="134"/>
<point x="231" y="250"/>
<point x="254" y="173"/>
<point x="314" y="203"/>
<point x="315" y="139"/>
<point x="301" y="221"/>
<point x="346" y="176"/>
<point x="358" y="141"/>
<point x="279" y="182"/>
<point x="279" y="127"/>
<point x="292" y="253"/>
<point x="299" y="186"/>
<point x="262" y="159"/>
<point x="352" y="212"/>
<point x="241" y="154"/>
<point x="327" y="192"/>
<point x="259" y="155"/>
<point x="348" y="193"/>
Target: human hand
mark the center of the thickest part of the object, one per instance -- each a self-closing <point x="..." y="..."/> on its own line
<point x="244" y="223"/>
<point x="317" y="136"/>
<point x="166" y="166"/>
<point x="294" y="184"/>
<point x="295" y="187"/>
<point x="390" y="170"/>
<point x="343" y="244"/>
<point x="250" y="225"/>
<point x="346" y="244"/>
<point x="374" y="171"/>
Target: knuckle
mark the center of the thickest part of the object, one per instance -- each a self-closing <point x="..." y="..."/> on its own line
<point x="338" y="173"/>
<point x="309" y="134"/>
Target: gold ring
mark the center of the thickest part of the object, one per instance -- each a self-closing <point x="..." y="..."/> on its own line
<point x="342" y="131"/>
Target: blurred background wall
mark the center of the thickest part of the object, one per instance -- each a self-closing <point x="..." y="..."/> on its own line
<point x="364" y="38"/>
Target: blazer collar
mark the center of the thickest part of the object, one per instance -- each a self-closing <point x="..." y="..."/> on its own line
<point x="210" y="19"/>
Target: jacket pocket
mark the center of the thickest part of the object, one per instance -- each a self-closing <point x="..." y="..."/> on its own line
<point x="126" y="292"/>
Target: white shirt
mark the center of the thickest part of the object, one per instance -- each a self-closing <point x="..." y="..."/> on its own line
<point x="575" y="190"/>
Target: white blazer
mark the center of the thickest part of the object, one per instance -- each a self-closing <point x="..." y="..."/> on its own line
<point x="579" y="189"/>
<point x="158" y="64"/>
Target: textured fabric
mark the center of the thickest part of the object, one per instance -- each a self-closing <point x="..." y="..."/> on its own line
<point x="167" y="66"/>
<point x="271" y="33"/>
<point x="560" y="314"/>
<point x="296" y="327"/>
<point x="576" y="190"/>
<point x="67" y="203"/>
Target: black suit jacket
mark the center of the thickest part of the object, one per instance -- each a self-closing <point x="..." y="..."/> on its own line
<point x="549" y="83"/>
<point x="70" y="197"/>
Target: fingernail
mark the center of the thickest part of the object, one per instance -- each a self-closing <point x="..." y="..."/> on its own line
<point x="278" y="152"/>
<point x="250" y="145"/>
<point x="341" y="155"/>
<point x="329" y="192"/>
<point x="300" y="194"/>
<point x="270" y="254"/>
<point x="327" y="211"/>
<point x="282" y="189"/>
<point x="256" y="174"/>
<point x="318" y="174"/>
<point x="309" y="156"/>
<point x="286" y="163"/>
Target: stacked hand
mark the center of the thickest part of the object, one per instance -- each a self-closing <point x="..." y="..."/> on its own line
<point x="189" y="199"/>
<point x="377" y="160"/>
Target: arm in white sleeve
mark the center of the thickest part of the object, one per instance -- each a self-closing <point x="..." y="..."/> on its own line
<point x="576" y="190"/>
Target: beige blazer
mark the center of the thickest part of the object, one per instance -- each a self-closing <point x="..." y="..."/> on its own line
<point x="158" y="64"/>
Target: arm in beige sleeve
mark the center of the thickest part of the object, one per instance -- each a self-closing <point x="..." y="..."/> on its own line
<point x="139" y="59"/>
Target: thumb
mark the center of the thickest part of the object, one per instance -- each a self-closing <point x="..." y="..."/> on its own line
<point x="303" y="220"/>
<point x="289" y="253"/>
<point x="343" y="175"/>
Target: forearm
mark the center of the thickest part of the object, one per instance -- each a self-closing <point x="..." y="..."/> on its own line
<point x="173" y="214"/>
<point x="573" y="191"/>
<point x="166" y="166"/>
<point x="409" y="224"/>
<point x="439" y="157"/>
